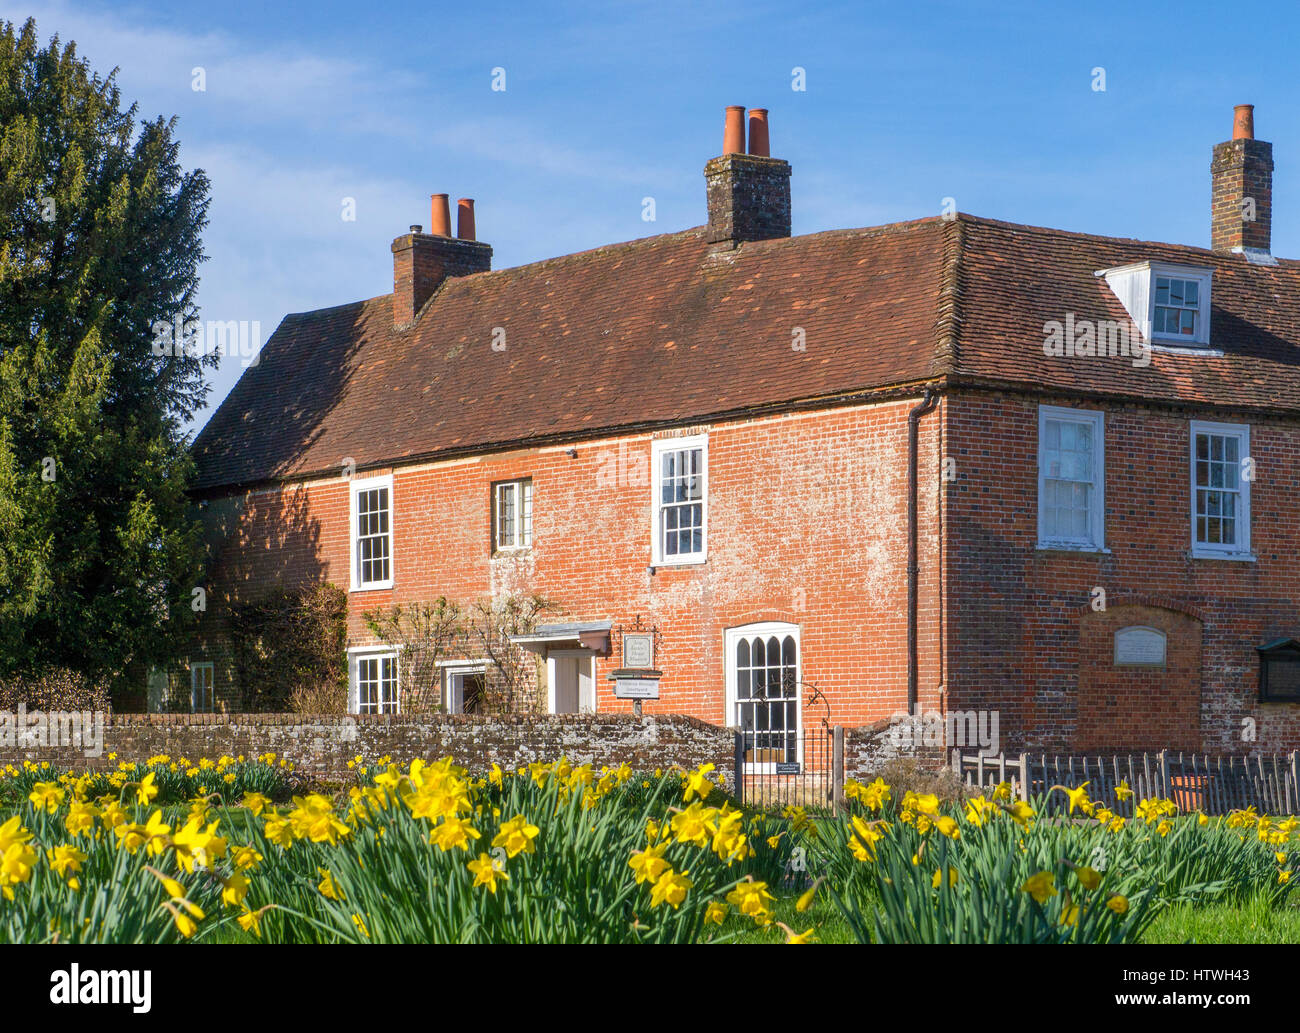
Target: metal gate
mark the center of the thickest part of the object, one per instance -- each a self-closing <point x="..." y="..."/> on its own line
<point x="807" y="770"/>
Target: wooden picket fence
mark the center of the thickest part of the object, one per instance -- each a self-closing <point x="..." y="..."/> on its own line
<point x="1212" y="784"/>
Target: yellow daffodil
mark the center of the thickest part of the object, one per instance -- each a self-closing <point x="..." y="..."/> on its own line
<point x="937" y="879"/>
<point x="487" y="872"/>
<point x="670" y="887"/>
<point x="649" y="864"/>
<point x="750" y="899"/>
<point x="1089" y="877"/>
<point x="453" y="832"/>
<point x="516" y="836"/>
<point x="697" y="784"/>
<point x="146" y="790"/>
<point x="327" y="886"/>
<point x="1040" y="886"/>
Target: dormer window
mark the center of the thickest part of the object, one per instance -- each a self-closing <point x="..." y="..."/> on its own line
<point x="1170" y="304"/>
<point x="1178" y="307"/>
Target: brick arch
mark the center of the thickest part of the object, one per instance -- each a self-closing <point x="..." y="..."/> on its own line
<point x="738" y="618"/>
<point x="1123" y="707"/>
<point x="1156" y="602"/>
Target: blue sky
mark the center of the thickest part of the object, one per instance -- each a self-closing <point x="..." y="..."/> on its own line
<point x="905" y="104"/>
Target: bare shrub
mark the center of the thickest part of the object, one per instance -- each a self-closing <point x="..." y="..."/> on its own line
<point x="907" y="773"/>
<point x="290" y="641"/>
<point x="320" y="698"/>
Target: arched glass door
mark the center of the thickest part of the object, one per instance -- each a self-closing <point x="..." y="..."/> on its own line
<point x="763" y="692"/>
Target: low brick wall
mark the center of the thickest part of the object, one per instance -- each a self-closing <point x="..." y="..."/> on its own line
<point x="320" y="747"/>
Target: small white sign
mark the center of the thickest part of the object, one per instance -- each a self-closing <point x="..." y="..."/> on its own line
<point x="636" y="688"/>
<point x="1138" y="645"/>
<point x="638" y="650"/>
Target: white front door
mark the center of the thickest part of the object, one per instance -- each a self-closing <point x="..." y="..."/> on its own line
<point x="573" y="682"/>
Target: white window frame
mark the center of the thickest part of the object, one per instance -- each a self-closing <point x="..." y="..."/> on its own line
<point x="1097" y="507"/>
<point x="763" y="629"/>
<point x="523" y="488"/>
<point x="195" y="687"/>
<point x="356" y="487"/>
<point x="1209" y="550"/>
<point x="453" y="701"/>
<point x="1135" y="287"/>
<point x="657" y="448"/>
<point x="360" y="653"/>
<point x="1202" y="278"/>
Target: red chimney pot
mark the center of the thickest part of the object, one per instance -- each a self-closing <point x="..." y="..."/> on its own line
<point x="465" y="218"/>
<point x="440" y="221"/>
<point x="758" y="140"/>
<point x="733" y="130"/>
<point x="1243" y="122"/>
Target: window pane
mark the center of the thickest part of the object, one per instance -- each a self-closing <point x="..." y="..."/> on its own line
<point x="681" y="509"/>
<point x="1216" y="473"/>
<point x="526" y="516"/>
<point x="505" y="516"/>
<point x="372" y="535"/>
<point x="1068" y="478"/>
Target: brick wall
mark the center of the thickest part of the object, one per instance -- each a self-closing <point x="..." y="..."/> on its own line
<point x="1019" y="617"/>
<point x="806" y="520"/>
<point x="320" y="747"/>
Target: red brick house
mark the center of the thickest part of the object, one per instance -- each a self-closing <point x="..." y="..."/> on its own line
<point x="954" y="463"/>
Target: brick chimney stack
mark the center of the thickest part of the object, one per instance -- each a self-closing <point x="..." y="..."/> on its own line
<point x="421" y="261"/>
<point x="1241" y="195"/>
<point x="748" y="194"/>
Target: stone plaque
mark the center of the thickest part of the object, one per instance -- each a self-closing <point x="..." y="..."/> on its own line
<point x="1140" y="646"/>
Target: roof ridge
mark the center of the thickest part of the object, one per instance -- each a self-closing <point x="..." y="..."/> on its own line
<point x="1110" y="238"/>
<point x="947" y="321"/>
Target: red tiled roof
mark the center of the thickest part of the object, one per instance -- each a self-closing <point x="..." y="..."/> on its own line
<point x="1013" y="279"/>
<point x="670" y="329"/>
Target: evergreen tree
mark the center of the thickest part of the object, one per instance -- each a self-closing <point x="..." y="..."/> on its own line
<point x="99" y="239"/>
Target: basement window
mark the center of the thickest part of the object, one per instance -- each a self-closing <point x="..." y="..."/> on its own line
<point x="372" y="533"/>
<point x="1279" y="671"/>
<point x="680" y="500"/>
<point x="512" y="515"/>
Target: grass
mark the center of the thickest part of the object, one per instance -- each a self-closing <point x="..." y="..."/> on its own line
<point x="828" y="923"/>
<point x="1252" y="922"/>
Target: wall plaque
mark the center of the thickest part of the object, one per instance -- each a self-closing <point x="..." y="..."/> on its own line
<point x="638" y="650"/>
<point x="1140" y="646"/>
<point x="636" y="688"/>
